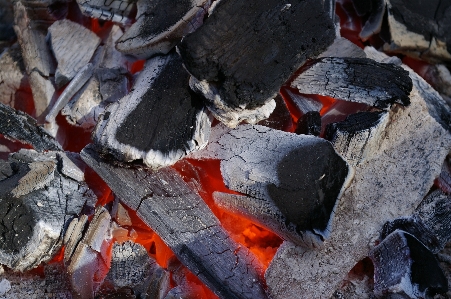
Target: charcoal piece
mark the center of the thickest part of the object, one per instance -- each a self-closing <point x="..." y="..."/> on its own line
<point x="118" y="11"/>
<point x="160" y="25"/>
<point x="342" y="47"/>
<point x="443" y="181"/>
<point x="113" y="83"/>
<point x="185" y="223"/>
<point x="309" y="124"/>
<point x="20" y="126"/>
<point x="246" y="50"/>
<point x="160" y="121"/>
<point x="122" y="216"/>
<point x="112" y="58"/>
<point x="355" y="80"/>
<point x="74" y="233"/>
<point x="439" y="77"/>
<point x="159" y="284"/>
<point x="403" y="265"/>
<point x="69" y="39"/>
<point x="12" y="74"/>
<point x="413" y="143"/>
<point x="36" y="204"/>
<point x="303" y="103"/>
<point x="358" y="137"/>
<point x="6" y="23"/>
<point x="374" y="11"/>
<point x="5" y="170"/>
<point x="280" y="118"/>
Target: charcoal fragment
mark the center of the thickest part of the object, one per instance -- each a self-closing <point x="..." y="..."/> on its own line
<point x="309" y="124"/>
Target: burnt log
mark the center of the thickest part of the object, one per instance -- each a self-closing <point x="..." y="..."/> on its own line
<point x="37" y="201"/>
<point x="403" y="265"/>
<point x="246" y="50"/>
<point x="355" y="80"/>
<point x="118" y="11"/>
<point x="309" y="124"/>
<point x="185" y="223"/>
<point x="12" y="75"/>
<point x="160" y="121"/>
<point x="160" y="25"/>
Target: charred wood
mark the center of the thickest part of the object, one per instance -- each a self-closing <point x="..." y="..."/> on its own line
<point x="342" y="47"/>
<point x="181" y="218"/>
<point x="374" y="11"/>
<point x="355" y="80"/>
<point x="154" y="122"/>
<point x="118" y="11"/>
<point x="12" y="74"/>
<point x="309" y="124"/>
<point x="280" y="118"/>
<point x="246" y="50"/>
<point x="160" y="25"/>
<point x="113" y="83"/>
<point x="303" y="103"/>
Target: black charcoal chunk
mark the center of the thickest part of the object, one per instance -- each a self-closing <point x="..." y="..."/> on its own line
<point x="246" y="50"/>
<point x="160" y="121"/>
<point x="280" y="118"/>
<point x="22" y="127"/>
<point x="309" y="124"/>
<point x="356" y="80"/>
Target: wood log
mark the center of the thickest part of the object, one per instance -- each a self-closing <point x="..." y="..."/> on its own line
<point x="12" y="74"/>
<point x="355" y="80"/>
<point x="37" y="202"/>
<point x="309" y="124"/>
<point x="421" y="30"/>
<point x="413" y="143"/>
<point x="160" y="25"/>
<point x="280" y="118"/>
<point x="182" y="219"/>
<point x="404" y="265"/>
<point x="118" y="11"/>
<point x="20" y="126"/>
<point x="246" y="50"/>
<point x="69" y="39"/>
<point x="154" y="123"/>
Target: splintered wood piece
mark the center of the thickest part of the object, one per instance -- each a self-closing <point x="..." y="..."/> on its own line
<point x="185" y="223"/>
<point x="118" y="11"/>
<point x="342" y="47"/>
<point x="420" y="29"/>
<point x="37" y="202"/>
<point x="405" y="266"/>
<point x="355" y="80"/>
<point x="301" y="175"/>
<point x="309" y="124"/>
<point x="246" y="50"/>
<point x="12" y="74"/>
<point x="113" y="83"/>
<point x="160" y="121"/>
<point x="414" y="141"/>
<point x="280" y="118"/>
<point x="359" y="136"/>
<point x="20" y="126"/>
<point x="73" y="46"/>
<point x="160" y="25"/>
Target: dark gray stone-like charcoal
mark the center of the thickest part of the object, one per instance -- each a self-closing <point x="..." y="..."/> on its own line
<point x="404" y="266"/>
<point x="185" y="223"/>
<point x="160" y="121"/>
<point x="246" y="50"/>
<point x="20" y="126"/>
<point x="309" y="124"/>
<point x="361" y="80"/>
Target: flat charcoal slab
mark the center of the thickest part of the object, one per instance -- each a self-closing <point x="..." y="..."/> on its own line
<point x="20" y="126"/>
<point x="246" y="50"/>
<point x="160" y="121"/>
<point x="160" y="25"/>
<point x="355" y="80"/>
<point x="185" y="223"/>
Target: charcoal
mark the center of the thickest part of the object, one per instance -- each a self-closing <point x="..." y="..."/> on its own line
<point x="159" y="283"/>
<point x="374" y="11"/>
<point x="6" y="23"/>
<point x="181" y="218"/>
<point x="342" y="47"/>
<point x="20" y="126"/>
<point x="246" y="50"/>
<point x="303" y="103"/>
<point x="301" y="175"/>
<point x="280" y="118"/>
<point x="160" y="25"/>
<point x="69" y="39"/>
<point x="404" y="265"/>
<point x="444" y="179"/>
<point x="5" y="170"/>
<point x="12" y="75"/>
<point x="112" y="58"/>
<point x="358" y="137"/>
<point x="113" y="83"/>
<point x="160" y="121"/>
<point x="389" y="185"/>
<point x="309" y="124"/>
<point x="439" y="77"/>
<point x="74" y="233"/>
<point x="420" y="29"/>
<point x="37" y="203"/>
<point x="118" y="11"/>
<point x="355" y="80"/>
<point x="122" y="216"/>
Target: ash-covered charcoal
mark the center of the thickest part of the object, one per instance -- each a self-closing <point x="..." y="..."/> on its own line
<point x="160" y="121"/>
<point x="431" y="222"/>
<point x="12" y="74"/>
<point x="74" y="233"/>
<point x="246" y="50"/>
<point x="185" y="223"/>
<point x="355" y="80"/>
<point x="420" y="29"/>
<point x="118" y="11"/>
<point x="37" y="202"/>
<point x="69" y="39"/>
<point x="160" y="25"/>
<point x="309" y="124"/>
<point x="20" y="126"/>
<point x="373" y="11"/>
<point x="280" y="118"/>
<point x="359" y="136"/>
<point x="302" y="103"/>
<point x="413" y="143"/>
<point x="342" y="47"/>
<point x="301" y="175"/>
<point x="112" y="58"/>
<point x="403" y="265"/>
<point x="113" y="83"/>
<point x="439" y="77"/>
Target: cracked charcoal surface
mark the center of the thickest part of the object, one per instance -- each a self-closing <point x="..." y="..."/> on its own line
<point x="20" y="126"/>
<point x="177" y="214"/>
<point x="356" y="80"/>
<point x="248" y="49"/>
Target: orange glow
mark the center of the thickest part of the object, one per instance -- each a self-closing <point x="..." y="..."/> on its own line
<point x="136" y="66"/>
<point x="58" y="257"/>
